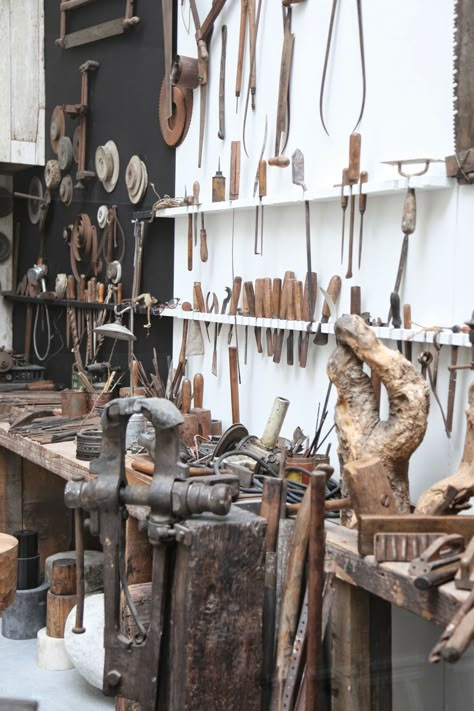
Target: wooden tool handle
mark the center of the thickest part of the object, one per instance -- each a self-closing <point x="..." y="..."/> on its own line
<point x="186" y="396"/>
<point x="100" y="292"/>
<point x="334" y="289"/>
<point x="395" y="309"/>
<point x="119" y="293"/>
<point x="364" y="176"/>
<point x="234" y="384"/>
<point x="406" y="316"/>
<point x="259" y="298"/>
<point x="267" y="298"/>
<point x="299" y="300"/>
<point x="250" y="297"/>
<point x="436" y="577"/>
<point x="198" y="298"/>
<point x="409" y="213"/>
<point x="190" y="242"/>
<point x="82" y="288"/>
<point x="291" y="294"/>
<point x="262" y="178"/>
<point x="134" y="374"/>
<point x="279" y="162"/>
<point x="276" y="297"/>
<point x="308" y="311"/>
<point x="284" y="294"/>
<point x="460" y="639"/>
<point x="71" y="287"/>
<point x="240" y="56"/>
<point x="353" y="171"/>
<point x="234" y="170"/>
<point x="235" y="297"/>
<point x="198" y="386"/>
<point x="203" y="241"/>
<point x="355" y="300"/>
<point x="245" y="301"/>
<point x="345" y="182"/>
<point x="196" y="190"/>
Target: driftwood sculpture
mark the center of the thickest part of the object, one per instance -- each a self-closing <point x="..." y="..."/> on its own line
<point x="450" y="495"/>
<point x="360" y="430"/>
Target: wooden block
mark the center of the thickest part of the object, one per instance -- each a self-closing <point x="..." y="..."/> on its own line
<point x="369" y="487"/>
<point x="8" y="569"/>
<point x="63" y="577"/>
<point x="370" y="524"/>
<point x="58" y="608"/>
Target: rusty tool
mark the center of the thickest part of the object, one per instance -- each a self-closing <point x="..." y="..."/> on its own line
<point x="308" y="314"/>
<point x="203" y="253"/>
<point x="240" y="56"/>
<point x="403" y="547"/>
<point x="407" y="325"/>
<point x="276" y="299"/>
<point x="283" y="113"/>
<point x="267" y="313"/>
<point x="331" y="297"/>
<point x="246" y="313"/>
<point x="438" y="563"/>
<point x="290" y="316"/>
<point x="364" y="177"/>
<point x="262" y="191"/>
<point x="326" y="62"/>
<point x="258" y="312"/>
<point x="408" y="228"/>
<point x="278" y="346"/>
<point x="396" y="316"/>
<point x="234" y="384"/>
<point x="195" y="203"/>
<point x="249" y="301"/>
<point x="457" y="635"/>
<point x="353" y="175"/>
<point x="297" y="167"/>
<point x="464" y="579"/>
<point x="234" y="302"/>
<point x="190" y="241"/>
<point x="234" y="170"/>
<point x="355" y="307"/>
<point x="344" y="204"/>
<point x="221" y="131"/>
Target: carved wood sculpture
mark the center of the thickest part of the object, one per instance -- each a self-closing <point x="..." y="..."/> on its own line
<point x="451" y="494"/>
<point x="360" y="430"/>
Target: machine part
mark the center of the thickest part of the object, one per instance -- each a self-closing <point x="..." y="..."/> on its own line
<point x="402" y="547"/>
<point x="464" y="579"/>
<point x="326" y="61"/>
<point x="57" y="128"/>
<point x="175" y="128"/>
<point x="96" y="32"/>
<point x="114" y="272"/>
<point x="218" y="185"/>
<point x="221" y="131"/>
<point x="5" y="247"/>
<point x="136" y="179"/>
<point x="65" y="153"/>
<point x="171" y="497"/>
<point x="445" y="550"/>
<point x="107" y="165"/>
<point x="269" y="439"/>
<point x="35" y="189"/>
<point x="52" y="174"/>
<point x="6" y="202"/>
<point x="83" y="247"/>
<point x="66" y="190"/>
<point x="102" y="216"/>
<point x="185" y="72"/>
<point x="230" y="439"/>
<point x="112" y="243"/>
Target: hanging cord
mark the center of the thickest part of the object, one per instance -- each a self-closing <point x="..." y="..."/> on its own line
<point x="39" y="357"/>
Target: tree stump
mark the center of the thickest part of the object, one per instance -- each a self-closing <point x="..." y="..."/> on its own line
<point x="451" y="494"/>
<point x="360" y="430"/>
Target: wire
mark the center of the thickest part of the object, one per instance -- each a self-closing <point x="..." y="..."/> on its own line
<point x="39" y="357"/>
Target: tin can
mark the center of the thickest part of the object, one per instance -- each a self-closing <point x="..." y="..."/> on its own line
<point x="74" y="403"/>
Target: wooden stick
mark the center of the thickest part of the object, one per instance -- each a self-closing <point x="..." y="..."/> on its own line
<point x="234" y="384"/>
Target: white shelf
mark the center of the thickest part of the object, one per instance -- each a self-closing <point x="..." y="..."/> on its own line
<point x="387" y="187"/>
<point x="386" y="333"/>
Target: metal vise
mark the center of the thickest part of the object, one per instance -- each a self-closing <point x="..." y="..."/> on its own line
<point x="131" y="665"/>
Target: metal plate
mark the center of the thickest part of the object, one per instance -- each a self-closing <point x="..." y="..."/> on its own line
<point x="230" y="439"/>
<point x="5" y="247"/>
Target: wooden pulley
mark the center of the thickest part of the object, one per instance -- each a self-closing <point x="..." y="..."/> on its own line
<point x="57" y="127"/>
<point x="175" y="128"/>
<point x="65" y="153"/>
<point x="52" y="174"/>
<point x="107" y="165"/>
<point x="136" y="179"/>
<point x="66" y="190"/>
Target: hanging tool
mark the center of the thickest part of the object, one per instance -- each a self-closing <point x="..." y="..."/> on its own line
<point x="262" y="192"/>
<point x="407" y="325"/>
<point x="252" y="82"/>
<point x="364" y="177"/>
<point x="258" y="313"/>
<point x="283" y="109"/>
<point x="234" y="384"/>
<point x="234" y="302"/>
<point x="353" y="175"/>
<point x="203" y="241"/>
<point x="249" y="307"/>
<point x="326" y="62"/>
<point x="203" y="37"/>
<point x="278" y="347"/>
<point x="331" y="297"/>
<point x="96" y="32"/>
<point x="396" y="316"/>
<point x="290" y="316"/>
<point x="190" y="241"/>
<point x="217" y="328"/>
<point x="297" y="167"/>
<point x="221" y="131"/>
<point x="234" y="170"/>
<point x="344" y="204"/>
<point x="195" y="203"/>
<point x="276" y="298"/>
<point x="308" y="315"/>
<point x="240" y="56"/>
<point x="355" y="307"/>
<point x="218" y="185"/>
<point x="453" y="368"/>
<point x="267" y="313"/>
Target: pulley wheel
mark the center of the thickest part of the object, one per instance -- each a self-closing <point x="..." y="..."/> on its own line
<point x="52" y="174"/>
<point x="175" y="128"/>
<point x="5" y="247"/>
<point x="230" y="439"/>
<point x="65" y="153"/>
<point x="57" y="127"/>
<point x="34" y="206"/>
<point x="76" y="143"/>
<point x="6" y="202"/>
<point x="66" y="190"/>
<point x="102" y="216"/>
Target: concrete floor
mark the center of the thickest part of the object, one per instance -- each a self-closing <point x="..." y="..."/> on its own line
<point x="22" y="678"/>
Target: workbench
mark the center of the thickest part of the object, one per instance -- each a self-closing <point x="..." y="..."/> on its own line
<point x="30" y="496"/>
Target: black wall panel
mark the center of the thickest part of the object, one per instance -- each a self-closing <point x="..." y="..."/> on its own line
<point x="124" y="96"/>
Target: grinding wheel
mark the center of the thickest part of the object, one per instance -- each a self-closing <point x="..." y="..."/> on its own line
<point x="5" y="247"/>
<point x="57" y="127"/>
<point x="230" y="439"/>
<point x="34" y="206"/>
<point x="6" y="202"/>
<point x="65" y="153"/>
<point x="52" y="174"/>
<point x="175" y="128"/>
<point x="66" y="190"/>
<point x="136" y="179"/>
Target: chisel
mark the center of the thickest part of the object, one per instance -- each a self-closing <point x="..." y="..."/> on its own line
<point x="408" y="228"/>
<point x="353" y="174"/>
<point x="240" y="55"/>
<point x="249" y="306"/>
<point x="203" y="241"/>
<point x="355" y="300"/>
<point x="276" y="298"/>
<point x="308" y="315"/>
<point x="234" y="170"/>
<point x="258" y="312"/>
<point x="344" y="204"/>
<point x="290" y="316"/>
<point x="245" y="312"/>
<point x="333" y="290"/>
<point x="221" y="131"/>
<point x="196" y="190"/>
<point x="299" y="313"/>
<point x="234" y="302"/>
<point x="190" y="242"/>
<point x="267" y="313"/>
<point x="364" y="176"/>
<point x="278" y="347"/>
<point x="407" y="325"/>
<point x="452" y="388"/>
<point x="396" y="317"/>
<point x="234" y="384"/>
<point x="262" y="191"/>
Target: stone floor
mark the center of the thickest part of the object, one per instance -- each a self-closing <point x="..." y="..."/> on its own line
<point x="22" y="678"/>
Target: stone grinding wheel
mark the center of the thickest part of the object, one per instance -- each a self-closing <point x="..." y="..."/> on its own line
<point x="5" y="247"/>
<point x="136" y="179"/>
<point x="66" y="190"/>
<point x="65" y="153"/>
<point x="52" y="174"/>
<point x="107" y="165"/>
<point x="6" y="202"/>
<point x="174" y="130"/>
<point x="8" y="566"/>
<point x="34" y="206"/>
<point x="57" y="127"/>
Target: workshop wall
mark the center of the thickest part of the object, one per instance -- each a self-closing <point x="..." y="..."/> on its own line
<point x="408" y="114"/>
<point x="124" y="108"/>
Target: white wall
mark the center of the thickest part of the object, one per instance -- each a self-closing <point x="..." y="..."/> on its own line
<point x="22" y="89"/>
<point x="409" y="58"/>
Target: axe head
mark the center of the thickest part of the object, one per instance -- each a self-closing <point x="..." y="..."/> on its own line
<point x="297" y="169"/>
